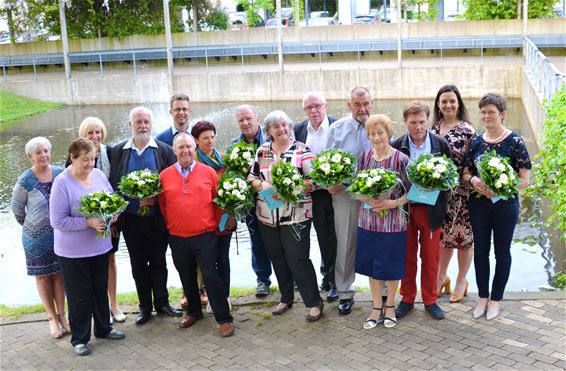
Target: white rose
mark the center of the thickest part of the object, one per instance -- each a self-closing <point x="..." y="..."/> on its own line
<point x="373" y="172"/>
<point x="498" y="184"/>
<point x="511" y="176"/>
<point x="141" y="182"/>
<point x="246" y="155"/>
<point x="227" y="186"/>
<point x="296" y="192"/>
<point x="287" y="181"/>
<point x="233" y="156"/>
<point x="241" y="184"/>
<point x="103" y="204"/>
<point x="236" y="150"/>
<point x="325" y="168"/>
<point x="220" y="192"/>
<point x="503" y="179"/>
<point x="236" y="193"/>
<point x="336" y="158"/>
<point x="296" y="177"/>
<point x="347" y="161"/>
<point x="279" y="171"/>
<point x="500" y="167"/>
<point x="363" y="175"/>
<point x="377" y="178"/>
<point x="436" y="175"/>
<point x="369" y="182"/>
<point x="429" y="165"/>
<point x="494" y="162"/>
<point x="323" y="159"/>
<point x="242" y="197"/>
<point x="440" y="168"/>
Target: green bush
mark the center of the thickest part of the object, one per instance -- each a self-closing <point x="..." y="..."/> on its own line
<point x="549" y="170"/>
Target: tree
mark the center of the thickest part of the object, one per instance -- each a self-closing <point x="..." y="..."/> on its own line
<point x="251" y="7"/>
<point x="506" y="9"/>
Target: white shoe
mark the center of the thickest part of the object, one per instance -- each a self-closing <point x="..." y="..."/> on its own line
<point x="492" y="310"/>
<point x="479" y="311"/>
<point x="208" y="308"/>
<point x="111" y="319"/>
<point x="118" y="316"/>
<point x="229" y="304"/>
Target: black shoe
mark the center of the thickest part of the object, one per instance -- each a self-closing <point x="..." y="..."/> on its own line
<point x="143" y="317"/>
<point x="325" y="285"/>
<point x="115" y="335"/>
<point x="332" y="295"/>
<point x="170" y="311"/>
<point x="345" y="306"/>
<point x="403" y="309"/>
<point x="435" y="311"/>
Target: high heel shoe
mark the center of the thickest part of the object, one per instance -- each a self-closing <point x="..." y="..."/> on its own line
<point x="445" y="288"/>
<point x="55" y="329"/>
<point x="479" y="310"/>
<point x="492" y="310"/>
<point x="62" y="319"/>
<point x="457" y="298"/>
<point x="311" y="318"/>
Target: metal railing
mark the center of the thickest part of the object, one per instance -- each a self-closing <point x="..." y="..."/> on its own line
<point x="544" y="76"/>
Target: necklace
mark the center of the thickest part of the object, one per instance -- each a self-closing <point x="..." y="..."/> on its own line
<point x="381" y="158"/>
<point x="496" y="140"/>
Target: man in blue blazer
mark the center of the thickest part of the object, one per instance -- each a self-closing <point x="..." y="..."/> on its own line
<point x="180" y="110"/>
<point x="314" y="133"/>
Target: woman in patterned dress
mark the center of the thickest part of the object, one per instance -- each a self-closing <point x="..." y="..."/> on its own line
<point x="286" y="230"/>
<point x="30" y="205"/>
<point x="451" y="122"/>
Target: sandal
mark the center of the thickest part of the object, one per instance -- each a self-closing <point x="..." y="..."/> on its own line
<point x="54" y="329"/>
<point x="389" y="321"/>
<point x="371" y="323"/>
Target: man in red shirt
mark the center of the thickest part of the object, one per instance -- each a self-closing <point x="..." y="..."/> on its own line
<point x="188" y="190"/>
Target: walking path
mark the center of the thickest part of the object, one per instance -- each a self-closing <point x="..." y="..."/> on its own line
<point x="529" y="334"/>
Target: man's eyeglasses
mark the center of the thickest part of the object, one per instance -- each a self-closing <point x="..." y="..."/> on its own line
<point x="313" y="106"/>
<point x="178" y="110"/>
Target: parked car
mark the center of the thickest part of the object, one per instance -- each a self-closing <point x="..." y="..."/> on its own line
<point x="240" y="20"/>
<point x="272" y="23"/>
<point x="383" y="13"/>
<point x="366" y="19"/>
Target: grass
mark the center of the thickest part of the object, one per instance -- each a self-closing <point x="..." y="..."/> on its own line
<point x="14" y="107"/>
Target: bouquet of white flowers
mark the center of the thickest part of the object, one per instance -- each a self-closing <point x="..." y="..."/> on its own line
<point x="498" y="175"/>
<point x="433" y="173"/>
<point x="373" y="183"/>
<point x="287" y="181"/>
<point x="235" y="195"/>
<point x="332" y="166"/>
<point x="102" y="205"/>
<point x="239" y="157"/>
<point x="140" y="184"/>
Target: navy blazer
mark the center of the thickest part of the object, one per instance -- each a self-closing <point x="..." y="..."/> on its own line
<point x="438" y="146"/>
<point x="301" y="129"/>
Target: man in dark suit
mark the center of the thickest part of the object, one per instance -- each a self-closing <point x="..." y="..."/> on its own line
<point x="314" y="133"/>
<point x="145" y="236"/>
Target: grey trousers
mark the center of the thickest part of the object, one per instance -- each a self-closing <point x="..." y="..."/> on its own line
<point x="346" y="213"/>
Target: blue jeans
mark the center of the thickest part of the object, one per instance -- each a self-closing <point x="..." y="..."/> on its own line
<point x="500" y="219"/>
<point x="260" y="261"/>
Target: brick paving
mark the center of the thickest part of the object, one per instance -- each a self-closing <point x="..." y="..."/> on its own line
<point x="530" y="334"/>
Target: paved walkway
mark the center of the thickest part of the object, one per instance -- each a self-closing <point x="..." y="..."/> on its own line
<point x="529" y="334"/>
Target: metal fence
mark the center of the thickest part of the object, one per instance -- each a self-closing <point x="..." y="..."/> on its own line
<point x="544" y="76"/>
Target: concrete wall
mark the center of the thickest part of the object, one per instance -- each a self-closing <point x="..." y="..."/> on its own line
<point x="385" y="83"/>
<point x="299" y="34"/>
<point x="533" y="106"/>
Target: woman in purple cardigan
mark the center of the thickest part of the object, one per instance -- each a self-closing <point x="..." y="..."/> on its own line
<point x="83" y="257"/>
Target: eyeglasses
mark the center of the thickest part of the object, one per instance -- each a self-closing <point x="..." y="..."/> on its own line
<point x="178" y="110"/>
<point x="313" y="106"/>
<point x="488" y="113"/>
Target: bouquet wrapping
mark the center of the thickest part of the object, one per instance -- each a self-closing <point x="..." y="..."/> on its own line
<point x="433" y="173"/>
<point x="235" y="195"/>
<point x="140" y="184"/>
<point x="332" y="166"/>
<point x="102" y="205"/>
<point x="287" y="181"/>
<point x="498" y="175"/>
<point x="373" y="183"/>
<point x="239" y="157"/>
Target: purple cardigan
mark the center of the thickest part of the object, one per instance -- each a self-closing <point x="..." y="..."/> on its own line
<point x="73" y="238"/>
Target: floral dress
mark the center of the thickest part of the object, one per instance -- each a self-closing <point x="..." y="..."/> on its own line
<point x="456" y="232"/>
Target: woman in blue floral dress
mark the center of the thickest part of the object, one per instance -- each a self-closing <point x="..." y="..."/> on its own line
<point x="30" y="205"/>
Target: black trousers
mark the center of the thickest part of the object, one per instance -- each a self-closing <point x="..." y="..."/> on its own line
<point x="323" y="220"/>
<point x="288" y="248"/>
<point x="147" y="245"/>
<point x="86" y="284"/>
<point x="201" y="249"/>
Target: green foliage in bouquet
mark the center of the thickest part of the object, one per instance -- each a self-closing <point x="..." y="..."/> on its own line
<point x="287" y="181"/>
<point x="498" y="175"/>
<point x="102" y="205"/>
<point x="140" y="184"/>
<point x="235" y="195"/>
<point x="433" y="172"/>
<point x="239" y="157"/>
<point x="332" y="166"/>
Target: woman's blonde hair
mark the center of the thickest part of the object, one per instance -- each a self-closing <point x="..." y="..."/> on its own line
<point x="90" y="123"/>
<point x="380" y="120"/>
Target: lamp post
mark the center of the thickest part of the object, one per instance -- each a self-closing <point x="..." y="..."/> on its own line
<point x="168" y="40"/>
<point x="63" y="19"/>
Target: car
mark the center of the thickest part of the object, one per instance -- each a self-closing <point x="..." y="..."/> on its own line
<point x="272" y="23"/>
<point x="366" y="19"/>
<point x="239" y="20"/>
<point x="383" y="13"/>
<point x="287" y="13"/>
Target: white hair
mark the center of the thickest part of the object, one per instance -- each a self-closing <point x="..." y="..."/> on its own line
<point x="272" y="118"/>
<point x="181" y="136"/>
<point x="314" y="94"/>
<point x="33" y="143"/>
<point x="140" y="109"/>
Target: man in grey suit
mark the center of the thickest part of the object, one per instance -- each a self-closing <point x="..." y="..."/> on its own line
<point x="314" y="133"/>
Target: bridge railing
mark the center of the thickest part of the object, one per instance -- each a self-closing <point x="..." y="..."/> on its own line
<point x="544" y="76"/>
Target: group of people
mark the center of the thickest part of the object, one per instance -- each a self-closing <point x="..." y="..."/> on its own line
<point x="66" y="257"/>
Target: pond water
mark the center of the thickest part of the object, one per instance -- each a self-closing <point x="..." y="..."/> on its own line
<point x="533" y="264"/>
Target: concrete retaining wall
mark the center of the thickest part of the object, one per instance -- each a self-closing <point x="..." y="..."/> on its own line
<point x="299" y="34"/>
<point x="385" y="83"/>
<point x="533" y="107"/>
